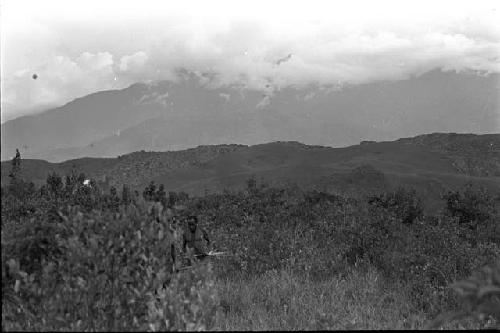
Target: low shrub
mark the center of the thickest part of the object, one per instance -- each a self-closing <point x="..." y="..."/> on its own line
<point x="104" y="277"/>
<point x="480" y="299"/>
<point x="403" y="203"/>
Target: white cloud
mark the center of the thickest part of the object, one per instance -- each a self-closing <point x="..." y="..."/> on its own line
<point x="73" y="48"/>
<point x="59" y="80"/>
<point x="102" y="61"/>
<point x="225" y="97"/>
<point x="133" y="63"/>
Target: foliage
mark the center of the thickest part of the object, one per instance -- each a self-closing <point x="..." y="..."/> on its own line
<point x="188" y="303"/>
<point x="480" y="295"/>
<point x="405" y="204"/>
<point x="103" y="275"/>
<point x="471" y="206"/>
<point x="89" y="260"/>
<point x="284" y="300"/>
<point x="75" y="257"/>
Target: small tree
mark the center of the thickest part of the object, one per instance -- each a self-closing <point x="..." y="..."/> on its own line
<point x="480" y="295"/>
<point x="183" y="196"/>
<point x="16" y="165"/>
<point x="405" y="204"/>
<point x="252" y="184"/>
<point x="16" y="185"/>
<point x="172" y="198"/>
<point x="54" y="184"/>
<point x="161" y="195"/>
<point x="112" y="200"/>
<point x="150" y="191"/>
<point x="126" y="196"/>
<point x="471" y="206"/>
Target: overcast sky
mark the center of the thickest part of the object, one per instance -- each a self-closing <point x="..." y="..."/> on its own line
<point x="79" y="47"/>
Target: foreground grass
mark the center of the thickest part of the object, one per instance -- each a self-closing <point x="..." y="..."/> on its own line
<point x="290" y="301"/>
<point x="361" y="299"/>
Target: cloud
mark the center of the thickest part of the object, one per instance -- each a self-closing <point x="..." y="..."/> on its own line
<point x="247" y="53"/>
<point x="225" y="97"/>
<point x="340" y="46"/>
<point x="59" y="80"/>
<point x="133" y="63"/>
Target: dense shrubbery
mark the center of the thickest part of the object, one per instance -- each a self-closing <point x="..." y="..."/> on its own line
<point x="471" y="206"/>
<point x="474" y="211"/>
<point x="100" y="271"/>
<point x="480" y="296"/>
<point x="404" y="204"/>
<point x="323" y="234"/>
<point x="77" y="258"/>
<point x="87" y="260"/>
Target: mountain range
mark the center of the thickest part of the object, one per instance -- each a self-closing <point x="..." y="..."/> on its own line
<point x="432" y="164"/>
<point x="192" y="111"/>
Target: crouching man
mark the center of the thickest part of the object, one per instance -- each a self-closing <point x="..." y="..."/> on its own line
<point x="195" y="239"/>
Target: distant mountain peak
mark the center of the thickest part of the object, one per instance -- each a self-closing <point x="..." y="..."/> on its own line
<point x="168" y="115"/>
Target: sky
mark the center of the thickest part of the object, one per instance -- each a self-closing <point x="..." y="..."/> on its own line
<point x="80" y="47"/>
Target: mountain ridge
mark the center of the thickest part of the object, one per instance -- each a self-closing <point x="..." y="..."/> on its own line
<point x="417" y="162"/>
<point x="178" y="115"/>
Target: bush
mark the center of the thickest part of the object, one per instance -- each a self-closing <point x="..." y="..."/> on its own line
<point x="480" y="295"/>
<point x="76" y="258"/>
<point x="108" y="267"/>
<point x="405" y="204"/>
<point x="470" y="205"/>
<point x="188" y="303"/>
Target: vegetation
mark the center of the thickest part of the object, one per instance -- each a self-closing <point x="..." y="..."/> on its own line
<point x="75" y="257"/>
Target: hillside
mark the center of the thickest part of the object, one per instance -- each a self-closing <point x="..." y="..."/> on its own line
<point x="178" y="115"/>
<point x="471" y="154"/>
<point x="429" y="163"/>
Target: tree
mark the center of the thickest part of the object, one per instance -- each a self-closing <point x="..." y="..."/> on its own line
<point x="16" y="165"/>
<point x="126" y="197"/>
<point x="172" y="198"/>
<point x="112" y="201"/>
<point x="161" y="195"/>
<point x="404" y="203"/>
<point x="183" y="196"/>
<point x="471" y="206"/>
<point x="150" y="191"/>
<point x="15" y="185"/>
<point x="54" y="184"/>
<point x="251" y="184"/>
<point x="81" y="178"/>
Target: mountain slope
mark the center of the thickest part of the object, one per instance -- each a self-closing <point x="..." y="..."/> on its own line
<point x="172" y="116"/>
<point x="425" y="162"/>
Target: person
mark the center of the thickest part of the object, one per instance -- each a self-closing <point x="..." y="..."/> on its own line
<point x="195" y="238"/>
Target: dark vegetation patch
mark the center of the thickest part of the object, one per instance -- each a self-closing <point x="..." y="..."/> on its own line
<point x="76" y="257"/>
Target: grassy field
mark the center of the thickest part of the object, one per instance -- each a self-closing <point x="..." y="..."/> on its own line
<point x="78" y="258"/>
<point x="282" y="300"/>
<point x="360" y="300"/>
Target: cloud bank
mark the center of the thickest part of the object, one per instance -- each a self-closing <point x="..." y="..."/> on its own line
<point x="73" y="59"/>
